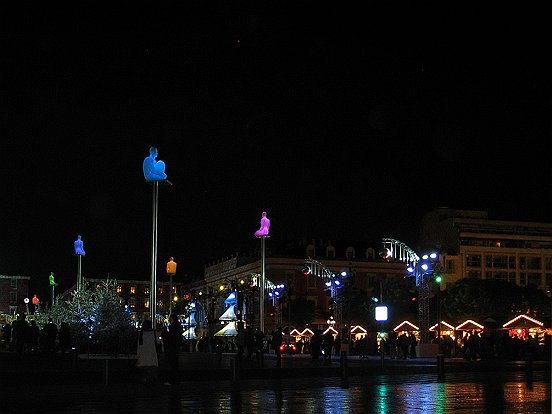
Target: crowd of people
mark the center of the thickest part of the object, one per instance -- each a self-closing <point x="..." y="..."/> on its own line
<point x="27" y="337"/>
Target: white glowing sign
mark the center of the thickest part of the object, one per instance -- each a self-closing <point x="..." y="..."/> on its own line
<point x="381" y="313"/>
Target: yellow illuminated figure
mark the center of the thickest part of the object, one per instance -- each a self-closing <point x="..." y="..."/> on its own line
<point x="171" y="266"/>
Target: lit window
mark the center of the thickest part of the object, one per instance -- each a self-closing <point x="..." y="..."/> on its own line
<point x="119" y="289"/>
<point x="133" y="290"/>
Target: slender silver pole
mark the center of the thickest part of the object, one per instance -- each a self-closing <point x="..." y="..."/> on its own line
<point x="153" y="282"/>
<point x="262" y="287"/>
<point x="170" y="294"/>
<point x="79" y="277"/>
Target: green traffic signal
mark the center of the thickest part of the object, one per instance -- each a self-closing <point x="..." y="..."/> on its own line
<point x="438" y="278"/>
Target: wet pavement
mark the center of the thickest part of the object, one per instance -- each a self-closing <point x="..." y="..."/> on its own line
<point x="412" y="386"/>
<point x="480" y="392"/>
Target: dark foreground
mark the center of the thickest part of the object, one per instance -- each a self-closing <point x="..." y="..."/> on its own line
<point x="411" y="386"/>
<point x="196" y="367"/>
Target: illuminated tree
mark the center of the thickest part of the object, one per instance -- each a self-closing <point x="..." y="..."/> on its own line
<point x="97" y="319"/>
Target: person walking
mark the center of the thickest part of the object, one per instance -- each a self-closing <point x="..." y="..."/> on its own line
<point x="19" y="334"/>
<point x="259" y="346"/>
<point x="172" y="342"/>
<point x="327" y="345"/>
<point x="33" y="336"/>
<point x="64" y="338"/>
<point x="277" y="337"/>
<point x="50" y="335"/>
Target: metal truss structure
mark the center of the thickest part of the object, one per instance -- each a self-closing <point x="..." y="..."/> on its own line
<point x="318" y="269"/>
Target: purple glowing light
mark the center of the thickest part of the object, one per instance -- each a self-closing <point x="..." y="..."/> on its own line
<point x="265" y="225"/>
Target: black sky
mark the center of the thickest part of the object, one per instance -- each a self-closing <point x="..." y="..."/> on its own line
<point x="338" y="128"/>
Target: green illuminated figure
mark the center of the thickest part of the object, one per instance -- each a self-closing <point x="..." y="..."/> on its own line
<point x="52" y="281"/>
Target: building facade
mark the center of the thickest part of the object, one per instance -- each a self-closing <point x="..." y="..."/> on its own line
<point x="474" y="246"/>
<point x="135" y="295"/>
<point x="284" y="265"/>
<point x="13" y="292"/>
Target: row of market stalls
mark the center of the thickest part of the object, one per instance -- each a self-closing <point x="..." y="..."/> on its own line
<point x="521" y="326"/>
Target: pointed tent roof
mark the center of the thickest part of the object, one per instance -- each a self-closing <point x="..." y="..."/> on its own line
<point x="358" y="329"/>
<point x="307" y="332"/>
<point x="444" y="326"/>
<point x="523" y="321"/>
<point x="229" y="315"/>
<point x="231" y="299"/>
<point x="406" y="326"/>
<point x="228" y="330"/>
<point x="469" y="325"/>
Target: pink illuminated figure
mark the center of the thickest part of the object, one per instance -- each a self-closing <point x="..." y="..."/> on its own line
<point x="265" y="225"/>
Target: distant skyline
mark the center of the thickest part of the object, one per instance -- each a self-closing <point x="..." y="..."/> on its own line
<point x="337" y="129"/>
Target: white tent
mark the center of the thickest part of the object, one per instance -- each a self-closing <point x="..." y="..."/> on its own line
<point x="190" y="320"/>
<point x="229" y="315"/>
<point x="228" y="330"/>
<point x="189" y="334"/>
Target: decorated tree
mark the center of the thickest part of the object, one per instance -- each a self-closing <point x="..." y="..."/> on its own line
<point x="99" y="323"/>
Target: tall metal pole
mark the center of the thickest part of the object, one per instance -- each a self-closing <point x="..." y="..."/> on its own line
<point x="79" y="273"/>
<point x="170" y="294"/>
<point x="153" y="281"/>
<point x="262" y="287"/>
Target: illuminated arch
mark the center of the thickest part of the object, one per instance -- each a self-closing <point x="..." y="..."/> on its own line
<point x="400" y="251"/>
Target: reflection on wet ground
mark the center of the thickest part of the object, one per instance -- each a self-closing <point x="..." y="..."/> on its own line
<point x="467" y="392"/>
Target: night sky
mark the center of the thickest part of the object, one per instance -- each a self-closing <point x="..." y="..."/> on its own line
<point x="338" y="128"/>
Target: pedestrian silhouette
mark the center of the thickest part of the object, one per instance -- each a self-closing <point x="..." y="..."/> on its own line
<point x="172" y="341"/>
<point x="277" y="337"/>
<point x="64" y="335"/>
<point x="50" y="336"/>
<point x="19" y="334"/>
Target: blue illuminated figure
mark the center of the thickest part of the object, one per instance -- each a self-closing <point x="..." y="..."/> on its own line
<point x="154" y="170"/>
<point x="79" y="250"/>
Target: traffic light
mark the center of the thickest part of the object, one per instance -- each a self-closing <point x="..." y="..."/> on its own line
<point x="438" y="278"/>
